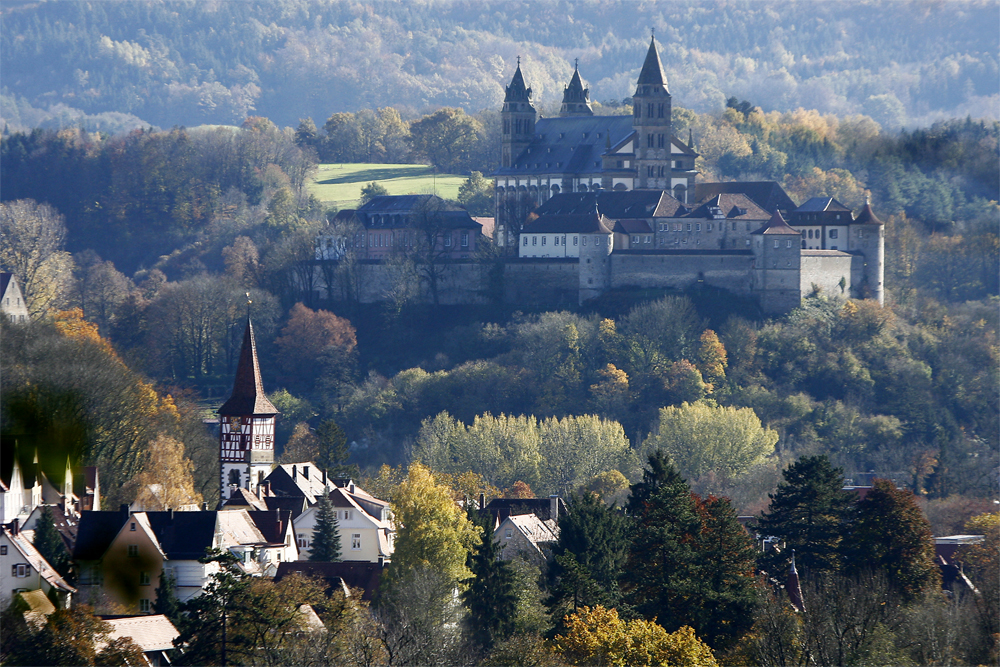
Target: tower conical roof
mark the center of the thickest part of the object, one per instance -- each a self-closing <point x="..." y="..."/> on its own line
<point x="248" y="396"/>
<point x="867" y="216"/>
<point x="575" y="90"/>
<point x="652" y="69"/>
<point x="576" y="98"/>
<point x="517" y="91"/>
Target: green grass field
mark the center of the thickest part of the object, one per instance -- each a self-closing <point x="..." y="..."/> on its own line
<point x="340" y="184"/>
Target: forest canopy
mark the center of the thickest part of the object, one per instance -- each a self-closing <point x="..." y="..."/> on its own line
<point x="114" y="66"/>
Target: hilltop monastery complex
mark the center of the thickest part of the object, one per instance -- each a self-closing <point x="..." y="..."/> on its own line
<point x="587" y="204"/>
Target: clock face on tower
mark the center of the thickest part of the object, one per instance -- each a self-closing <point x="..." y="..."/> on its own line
<point x="236" y="424"/>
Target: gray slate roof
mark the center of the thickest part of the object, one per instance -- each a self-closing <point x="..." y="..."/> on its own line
<point x="821" y="204"/>
<point x="584" y="223"/>
<point x="769" y="195"/>
<point x="572" y="145"/>
<point x="612" y="204"/>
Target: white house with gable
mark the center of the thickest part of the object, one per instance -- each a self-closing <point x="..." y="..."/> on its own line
<point x="364" y="522"/>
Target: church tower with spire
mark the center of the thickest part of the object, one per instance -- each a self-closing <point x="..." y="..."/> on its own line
<point x="246" y="426"/>
<point x="576" y="98"/>
<point x="518" y="118"/>
<point x="651" y="119"/>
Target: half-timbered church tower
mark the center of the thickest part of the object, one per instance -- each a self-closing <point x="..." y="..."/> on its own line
<point x="246" y="426"/>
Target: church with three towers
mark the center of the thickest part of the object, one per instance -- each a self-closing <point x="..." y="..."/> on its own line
<point x="581" y="152"/>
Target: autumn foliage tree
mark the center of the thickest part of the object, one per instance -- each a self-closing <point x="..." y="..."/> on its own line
<point x="314" y="337"/>
<point x="166" y="480"/>
<point x="599" y="637"/>
<point x="888" y="531"/>
<point x="432" y="532"/>
<point x="701" y="437"/>
<point x="69" y="637"/>
<point x="31" y="247"/>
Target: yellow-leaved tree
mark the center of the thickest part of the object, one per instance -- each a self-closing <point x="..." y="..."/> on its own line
<point x="599" y="637"/>
<point x="701" y="437"/>
<point x="432" y="531"/>
<point x="166" y="481"/>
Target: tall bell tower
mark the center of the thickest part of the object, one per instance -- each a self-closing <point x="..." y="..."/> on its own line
<point x="651" y="119"/>
<point x="518" y="118"/>
<point x="246" y="426"/>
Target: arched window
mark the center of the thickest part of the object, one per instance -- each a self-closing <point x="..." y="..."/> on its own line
<point x="680" y="193"/>
<point x="234" y="477"/>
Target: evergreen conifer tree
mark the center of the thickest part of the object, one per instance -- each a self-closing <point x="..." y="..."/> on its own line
<point x="491" y="597"/>
<point x="326" y="535"/>
<point x="660" y="579"/>
<point x="166" y="598"/>
<point x="589" y="556"/>
<point x="808" y="512"/>
<point x="690" y="562"/>
<point x="50" y="544"/>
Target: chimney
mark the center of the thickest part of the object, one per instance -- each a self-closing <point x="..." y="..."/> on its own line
<point x="293" y="473"/>
<point x="351" y="488"/>
<point x="14" y="527"/>
<point x="204" y="506"/>
<point x="482" y="500"/>
<point x="554" y="507"/>
<point x="305" y="472"/>
<point x="171" y="513"/>
<point x="324" y="478"/>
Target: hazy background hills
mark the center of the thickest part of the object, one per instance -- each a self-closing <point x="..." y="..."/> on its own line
<point x="115" y="65"/>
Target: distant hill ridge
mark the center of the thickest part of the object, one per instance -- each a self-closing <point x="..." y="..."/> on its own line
<point x="129" y="63"/>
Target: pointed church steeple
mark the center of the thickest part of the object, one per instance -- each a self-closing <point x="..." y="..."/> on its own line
<point x="248" y="397"/>
<point x="246" y="426"/>
<point x="652" y="70"/>
<point x="576" y="98"/>
<point x="517" y="91"/>
<point x="518" y="119"/>
<point x="651" y="118"/>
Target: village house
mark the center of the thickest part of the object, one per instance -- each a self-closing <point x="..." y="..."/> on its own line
<point x="122" y="555"/>
<point x="528" y="537"/>
<point x="13" y="307"/>
<point x="153" y="634"/>
<point x="23" y="569"/>
<point x="364" y="522"/>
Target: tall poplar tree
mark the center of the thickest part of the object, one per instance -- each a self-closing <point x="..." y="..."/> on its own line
<point x="325" y="546"/>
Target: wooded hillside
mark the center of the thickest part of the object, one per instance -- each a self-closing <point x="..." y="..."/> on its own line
<point x="129" y="63"/>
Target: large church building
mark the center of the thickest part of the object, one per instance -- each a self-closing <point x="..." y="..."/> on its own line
<point x="619" y="196"/>
<point x="581" y="152"/>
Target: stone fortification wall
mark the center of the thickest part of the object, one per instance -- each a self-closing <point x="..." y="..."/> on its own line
<point x="666" y="269"/>
<point x="459" y="282"/>
<point x="825" y="268"/>
<point x="542" y="282"/>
